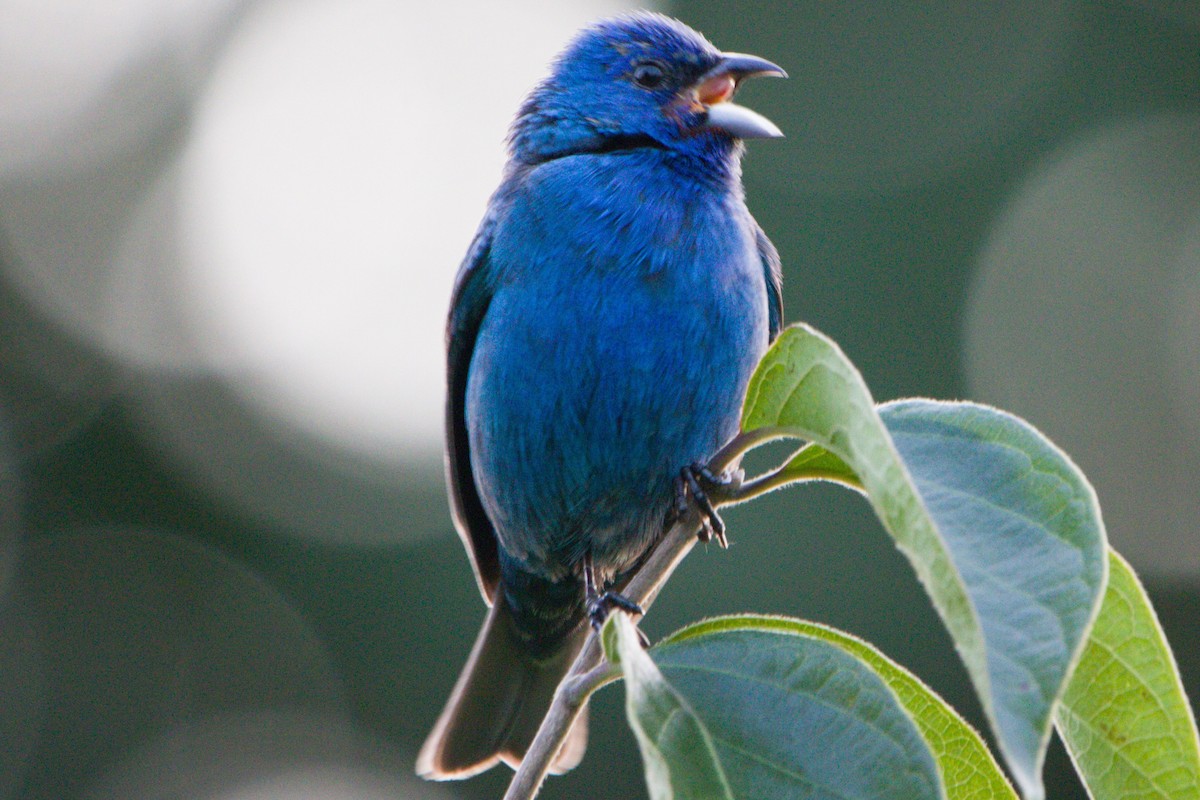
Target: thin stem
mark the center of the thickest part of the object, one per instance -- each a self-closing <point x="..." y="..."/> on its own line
<point x="743" y="443"/>
<point x="782" y="476"/>
<point x="582" y="687"/>
<point x="587" y="674"/>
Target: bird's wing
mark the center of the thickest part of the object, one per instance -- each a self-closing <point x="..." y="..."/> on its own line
<point x="469" y="303"/>
<point x="773" y="272"/>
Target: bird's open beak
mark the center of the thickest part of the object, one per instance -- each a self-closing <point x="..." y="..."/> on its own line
<point x="716" y="87"/>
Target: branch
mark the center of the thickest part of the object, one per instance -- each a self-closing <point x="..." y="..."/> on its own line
<point x="587" y="673"/>
<point x="785" y="474"/>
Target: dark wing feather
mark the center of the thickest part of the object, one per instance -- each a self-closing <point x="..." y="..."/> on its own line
<point x="774" y="275"/>
<point x="468" y="305"/>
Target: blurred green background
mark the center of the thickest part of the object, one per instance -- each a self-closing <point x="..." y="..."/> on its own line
<point x="227" y="235"/>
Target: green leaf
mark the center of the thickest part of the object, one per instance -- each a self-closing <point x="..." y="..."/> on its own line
<point x="967" y="768"/>
<point x="1124" y="717"/>
<point x="754" y="711"/>
<point x="814" y="462"/>
<point x="679" y="754"/>
<point x="1000" y="526"/>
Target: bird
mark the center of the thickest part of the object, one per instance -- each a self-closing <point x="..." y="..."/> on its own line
<point x="604" y="325"/>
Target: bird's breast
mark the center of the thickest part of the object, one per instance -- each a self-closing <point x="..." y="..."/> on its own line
<point x="616" y="350"/>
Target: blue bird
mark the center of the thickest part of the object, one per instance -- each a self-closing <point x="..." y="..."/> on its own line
<point x="603" y="327"/>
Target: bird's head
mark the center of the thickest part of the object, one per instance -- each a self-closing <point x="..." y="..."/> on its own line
<point x="640" y="80"/>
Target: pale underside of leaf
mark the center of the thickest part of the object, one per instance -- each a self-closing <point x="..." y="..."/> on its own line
<point x="763" y="712"/>
<point x="1000" y="526"/>
<point x="967" y="768"/>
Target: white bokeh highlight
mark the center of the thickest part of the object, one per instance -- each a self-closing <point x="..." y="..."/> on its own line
<point x="80" y="80"/>
<point x="343" y="155"/>
<point x="1183" y="326"/>
<point x="1084" y="318"/>
<point x="274" y="194"/>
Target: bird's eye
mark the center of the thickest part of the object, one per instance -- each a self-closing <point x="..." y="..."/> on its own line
<point x="649" y="74"/>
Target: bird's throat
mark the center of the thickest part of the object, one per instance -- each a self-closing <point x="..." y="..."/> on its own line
<point x="618" y="143"/>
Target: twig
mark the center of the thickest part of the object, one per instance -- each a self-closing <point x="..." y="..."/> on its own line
<point x="587" y="674"/>
<point x="573" y="692"/>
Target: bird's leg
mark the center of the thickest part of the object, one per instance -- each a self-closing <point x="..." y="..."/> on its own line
<point x="600" y="604"/>
<point x="689" y="484"/>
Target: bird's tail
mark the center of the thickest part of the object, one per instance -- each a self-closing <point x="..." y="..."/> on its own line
<point x="499" y="703"/>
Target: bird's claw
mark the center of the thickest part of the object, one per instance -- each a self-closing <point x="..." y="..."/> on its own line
<point x="601" y="605"/>
<point x="690" y="485"/>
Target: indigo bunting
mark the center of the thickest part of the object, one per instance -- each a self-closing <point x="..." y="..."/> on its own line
<point x="603" y="327"/>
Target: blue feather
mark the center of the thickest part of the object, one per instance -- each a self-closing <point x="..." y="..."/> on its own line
<point x="603" y="329"/>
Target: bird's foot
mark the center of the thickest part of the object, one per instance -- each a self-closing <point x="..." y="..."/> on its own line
<point x="690" y="488"/>
<point x="601" y="605"/>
